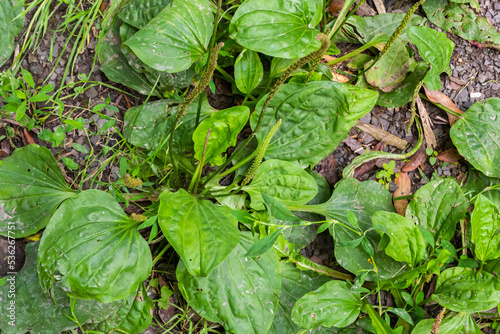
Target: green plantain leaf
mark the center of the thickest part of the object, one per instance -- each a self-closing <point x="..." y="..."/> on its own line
<point x="93" y="249"/>
<point x="478" y="182"/>
<point x="333" y="304"/>
<point x="281" y="179"/>
<point x="176" y="38"/>
<point x="406" y="242"/>
<point x="32" y="187"/>
<point x="138" y="13"/>
<point x="361" y="102"/>
<point x="241" y="293"/>
<point x="462" y="323"/>
<point x="440" y="215"/>
<point x="477" y="136"/>
<point x="363" y="199"/>
<point x="314" y="121"/>
<point x="224" y="127"/>
<point x="465" y="290"/>
<point x="436" y="49"/>
<point x="248" y="71"/>
<point x="485" y="223"/>
<point x="461" y="20"/>
<point x="202" y="233"/>
<point x="43" y="314"/>
<point x="278" y="28"/>
<point x="390" y="70"/>
<point x="295" y="283"/>
<point x="9" y="27"/>
<point x="149" y="125"/>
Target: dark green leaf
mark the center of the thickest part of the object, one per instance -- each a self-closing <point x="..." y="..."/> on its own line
<point x="461" y="323"/>
<point x="202" y="233"/>
<point x="241" y="293"/>
<point x="139" y="12"/>
<point x="248" y="71"/>
<point x="477" y="136"/>
<point x="32" y="187"/>
<point x="333" y="304"/>
<point x="117" y="258"/>
<point x="279" y="210"/>
<point x="440" y="215"/>
<point x="70" y="163"/>
<point x="224" y="126"/>
<point x="9" y="27"/>
<point x="176" y="38"/>
<point x="278" y="28"/>
<point x="485" y="221"/>
<point x="465" y="290"/>
<point x="263" y="245"/>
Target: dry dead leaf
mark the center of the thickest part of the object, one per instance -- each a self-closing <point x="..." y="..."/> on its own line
<point x="28" y="137"/>
<point x="367" y="166"/>
<point x="450" y="155"/>
<point x="335" y="7"/>
<point x="339" y="77"/>
<point x="436" y="96"/>
<point x="430" y="138"/>
<point x="404" y="188"/>
<point x="416" y="159"/>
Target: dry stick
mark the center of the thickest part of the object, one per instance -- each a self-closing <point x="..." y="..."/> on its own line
<point x="430" y="139"/>
<point x="380" y="6"/>
<point x="382" y="135"/>
<point x="413" y="107"/>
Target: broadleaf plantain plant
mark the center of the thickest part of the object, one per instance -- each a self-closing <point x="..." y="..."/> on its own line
<point x="240" y="264"/>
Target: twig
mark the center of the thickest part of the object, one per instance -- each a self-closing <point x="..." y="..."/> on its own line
<point x="380" y="6"/>
<point x="430" y="139"/>
<point x="382" y="135"/>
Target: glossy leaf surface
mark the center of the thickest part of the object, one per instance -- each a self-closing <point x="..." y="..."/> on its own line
<point x="176" y="37"/>
<point x="202" y="233"/>
<point x="241" y="293"/>
<point x="440" y="215"/>
<point x="248" y="71"/>
<point x="9" y="27"/>
<point x="278" y="28"/>
<point x="485" y="223"/>
<point x="224" y="126"/>
<point x="281" y="179"/>
<point x="477" y="136"/>
<point x="138" y="13"/>
<point x="462" y="323"/>
<point x="32" y="187"/>
<point x="116" y="260"/>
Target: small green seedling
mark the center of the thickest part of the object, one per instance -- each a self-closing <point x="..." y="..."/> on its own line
<point x="432" y="155"/>
<point x="385" y="176"/>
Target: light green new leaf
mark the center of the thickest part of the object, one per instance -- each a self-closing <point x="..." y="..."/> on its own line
<point x="462" y="323"/>
<point x="361" y="101"/>
<point x="42" y="313"/>
<point x="333" y="304"/>
<point x="390" y="70"/>
<point x="149" y="125"/>
<point x="31" y="188"/>
<point x="139" y="12"/>
<point x="224" y="127"/>
<point x="465" y="290"/>
<point x="406" y="242"/>
<point x="116" y="257"/>
<point x="485" y="223"/>
<point x="477" y="136"/>
<point x="10" y="28"/>
<point x="281" y="179"/>
<point x="176" y="38"/>
<point x="440" y="215"/>
<point x="202" y="233"/>
<point x="314" y="121"/>
<point x="241" y="293"/>
<point x="435" y="48"/>
<point x="278" y="28"/>
<point x="248" y="71"/>
<point x="295" y="283"/>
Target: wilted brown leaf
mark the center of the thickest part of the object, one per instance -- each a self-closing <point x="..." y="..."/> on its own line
<point x="404" y="188"/>
<point x="367" y="166"/>
<point x="416" y="159"/>
<point x="436" y="96"/>
<point x="28" y="137"/>
<point x="335" y="7"/>
<point x="450" y="155"/>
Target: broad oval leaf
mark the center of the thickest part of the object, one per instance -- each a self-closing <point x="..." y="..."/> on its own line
<point x="477" y="136"/>
<point x="248" y="71"/>
<point x="117" y="258"/>
<point x="437" y="207"/>
<point x="202" y="233"/>
<point x="11" y="24"/>
<point x="465" y="290"/>
<point x="295" y="283"/>
<point x="406" y="242"/>
<point x="485" y="223"/>
<point x="281" y="179"/>
<point x="48" y="314"/>
<point x="32" y="187"/>
<point x="333" y="304"/>
<point x="241" y="293"/>
<point x="138" y="13"/>
<point x="435" y="48"/>
<point x="224" y="127"/>
<point x="390" y="70"/>
<point x="278" y="28"/>
<point x="462" y="323"/>
<point x="314" y="121"/>
<point x="176" y="38"/>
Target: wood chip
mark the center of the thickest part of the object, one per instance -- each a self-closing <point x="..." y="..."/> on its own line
<point x="436" y="96"/>
<point x="382" y="135"/>
<point x="354" y="145"/>
<point x="404" y="188"/>
<point x="365" y="10"/>
<point x="379" y="4"/>
<point x="430" y="139"/>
